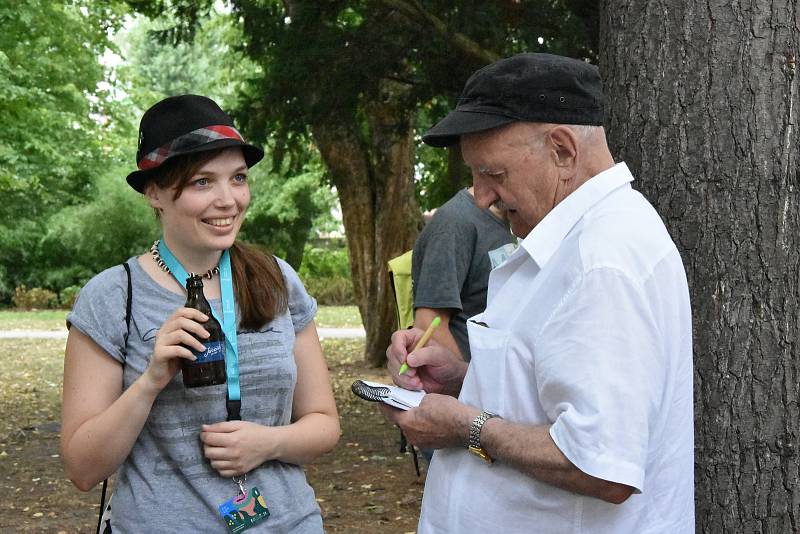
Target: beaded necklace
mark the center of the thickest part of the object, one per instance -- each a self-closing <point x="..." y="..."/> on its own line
<point x="162" y="264"/>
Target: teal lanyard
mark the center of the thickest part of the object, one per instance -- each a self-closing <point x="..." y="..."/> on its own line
<point x="228" y="321"/>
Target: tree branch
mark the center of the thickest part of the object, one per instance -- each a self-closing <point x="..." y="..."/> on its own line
<point x="416" y="12"/>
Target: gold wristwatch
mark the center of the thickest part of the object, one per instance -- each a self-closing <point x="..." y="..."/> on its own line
<point x="475" y="436"/>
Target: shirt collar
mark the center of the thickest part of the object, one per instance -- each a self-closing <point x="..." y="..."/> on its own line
<point x="542" y="242"/>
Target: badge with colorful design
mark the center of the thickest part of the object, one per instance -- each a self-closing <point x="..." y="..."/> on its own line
<point x="244" y="510"/>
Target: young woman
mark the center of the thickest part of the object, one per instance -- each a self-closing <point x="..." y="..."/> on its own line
<point x="184" y="461"/>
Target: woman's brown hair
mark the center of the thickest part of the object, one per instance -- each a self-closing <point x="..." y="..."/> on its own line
<point x="258" y="282"/>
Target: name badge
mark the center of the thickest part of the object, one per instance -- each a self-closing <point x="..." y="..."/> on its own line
<point x="499" y="255"/>
<point x="244" y="511"/>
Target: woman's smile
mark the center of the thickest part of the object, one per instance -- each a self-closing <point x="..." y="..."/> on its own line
<point x="227" y="221"/>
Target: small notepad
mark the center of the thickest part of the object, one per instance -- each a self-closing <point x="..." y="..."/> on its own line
<point x="392" y="395"/>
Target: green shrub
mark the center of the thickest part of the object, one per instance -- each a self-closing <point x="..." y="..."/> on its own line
<point x="68" y="295"/>
<point x="326" y="274"/>
<point x="331" y="291"/>
<point x="34" y="298"/>
<point x="68" y="247"/>
<point x="285" y="209"/>
<point x="6" y="285"/>
<point x="320" y="262"/>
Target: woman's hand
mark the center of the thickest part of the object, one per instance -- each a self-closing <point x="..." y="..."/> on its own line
<point x="236" y="447"/>
<point x="169" y="348"/>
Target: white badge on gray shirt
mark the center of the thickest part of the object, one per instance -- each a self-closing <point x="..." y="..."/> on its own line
<point x="499" y="255"/>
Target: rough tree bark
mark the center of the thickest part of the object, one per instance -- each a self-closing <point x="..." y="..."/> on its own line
<point x="702" y="103"/>
<point x="374" y="176"/>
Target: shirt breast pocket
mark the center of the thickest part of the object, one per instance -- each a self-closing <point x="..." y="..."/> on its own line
<point x="485" y="382"/>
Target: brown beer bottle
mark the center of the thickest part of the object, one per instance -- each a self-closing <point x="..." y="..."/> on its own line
<point x="209" y="367"/>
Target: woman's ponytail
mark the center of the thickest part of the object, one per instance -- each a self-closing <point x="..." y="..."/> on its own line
<point x="261" y="292"/>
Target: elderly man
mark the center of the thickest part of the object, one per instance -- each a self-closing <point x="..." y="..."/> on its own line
<point x="575" y="413"/>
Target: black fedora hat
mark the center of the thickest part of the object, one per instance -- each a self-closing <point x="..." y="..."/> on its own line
<point x="180" y="125"/>
<point x="523" y="88"/>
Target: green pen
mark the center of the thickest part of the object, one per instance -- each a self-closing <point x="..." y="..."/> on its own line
<point x="424" y="339"/>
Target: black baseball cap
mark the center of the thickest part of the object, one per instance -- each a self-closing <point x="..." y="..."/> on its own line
<point x="184" y="124"/>
<point x="523" y="88"/>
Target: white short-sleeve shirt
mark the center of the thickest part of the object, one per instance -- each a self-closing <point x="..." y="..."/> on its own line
<point x="588" y="329"/>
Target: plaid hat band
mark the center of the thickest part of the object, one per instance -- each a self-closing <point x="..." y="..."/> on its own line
<point x="181" y="125"/>
<point x="186" y="143"/>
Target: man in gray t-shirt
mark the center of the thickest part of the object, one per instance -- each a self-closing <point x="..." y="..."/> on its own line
<point x="450" y="266"/>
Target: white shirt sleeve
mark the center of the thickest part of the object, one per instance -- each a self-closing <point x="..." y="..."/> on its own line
<point x="600" y="375"/>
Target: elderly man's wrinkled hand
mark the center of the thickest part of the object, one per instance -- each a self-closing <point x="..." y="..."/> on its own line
<point x="432" y="368"/>
<point x="403" y="341"/>
<point x="439" y="422"/>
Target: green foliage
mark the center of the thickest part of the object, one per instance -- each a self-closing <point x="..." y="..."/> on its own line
<point x="18" y="246"/>
<point x="34" y="298"/>
<point x="326" y="274"/>
<point x="349" y="47"/>
<point x="284" y="209"/>
<point x="61" y="130"/>
<point x="334" y="291"/>
<point x="67" y="212"/>
<point x="325" y="262"/>
<point x="83" y="240"/>
<point x="68" y="247"/>
<point x="68" y="139"/>
<point x="210" y="65"/>
<point x="67" y="296"/>
<point x="52" y="140"/>
<point x="434" y="174"/>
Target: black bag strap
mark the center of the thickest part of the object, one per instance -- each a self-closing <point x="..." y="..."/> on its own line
<point x="127" y="331"/>
<point x="102" y="504"/>
<point x="128" y="305"/>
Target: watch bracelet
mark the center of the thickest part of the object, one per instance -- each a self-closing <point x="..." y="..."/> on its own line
<point x="476" y="426"/>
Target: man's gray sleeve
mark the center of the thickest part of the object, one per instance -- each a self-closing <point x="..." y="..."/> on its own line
<point x="441" y="264"/>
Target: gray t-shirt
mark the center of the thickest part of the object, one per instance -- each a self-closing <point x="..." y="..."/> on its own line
<point x="450" y="265"/>
<point x="166" y="484"/>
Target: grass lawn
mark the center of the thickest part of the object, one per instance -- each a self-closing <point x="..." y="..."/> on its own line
<point x="327" y="317"/>
<point x="338" y="317"/>
<point x="33" y="319"/>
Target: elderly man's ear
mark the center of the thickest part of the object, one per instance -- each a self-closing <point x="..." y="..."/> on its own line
<point x="565" y="144"/>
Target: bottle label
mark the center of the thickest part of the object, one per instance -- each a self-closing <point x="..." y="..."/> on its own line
<point x="215" y="352"/>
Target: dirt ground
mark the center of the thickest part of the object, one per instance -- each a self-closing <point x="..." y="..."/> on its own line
<point x="365" y="485"/>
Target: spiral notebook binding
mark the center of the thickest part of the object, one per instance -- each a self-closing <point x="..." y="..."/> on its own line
<point x="369" y="393"/>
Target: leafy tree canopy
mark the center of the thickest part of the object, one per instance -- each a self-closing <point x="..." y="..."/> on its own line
<point x="322" y="58"/>
<point x="348" y="47"/>
<point x="70" y="139"/>
<point x="53" y="105"/>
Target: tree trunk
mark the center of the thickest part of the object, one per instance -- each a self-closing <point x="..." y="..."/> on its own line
<point x="702" y="103"/>
<point x="375" y="181"/>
